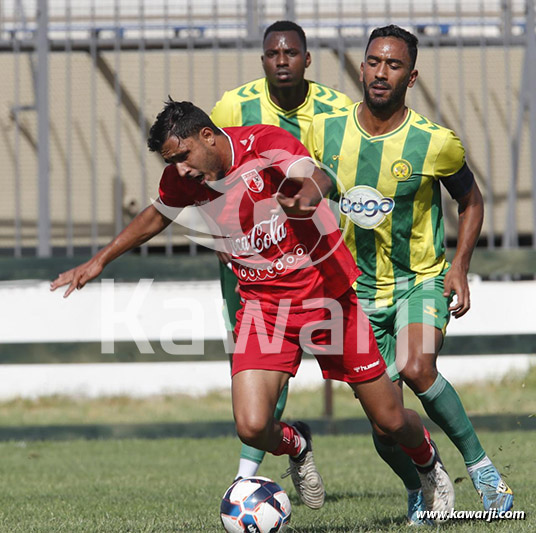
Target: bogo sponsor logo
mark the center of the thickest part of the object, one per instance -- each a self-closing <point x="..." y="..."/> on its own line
<point x="365" y="206"/>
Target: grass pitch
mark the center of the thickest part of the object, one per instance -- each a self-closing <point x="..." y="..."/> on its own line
<point x="175" y="485"/>
<point x="162" y="485"/>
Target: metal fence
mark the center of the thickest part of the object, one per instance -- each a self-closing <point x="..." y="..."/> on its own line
<point x="83" y="79"/>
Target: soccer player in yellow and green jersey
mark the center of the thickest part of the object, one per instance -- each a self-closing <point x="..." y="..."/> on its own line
<point x="389" y="198"/>
<point x="286" y="99"/>
<point x="388" y="162"/>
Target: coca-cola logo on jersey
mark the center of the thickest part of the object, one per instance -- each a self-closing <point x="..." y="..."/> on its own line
<point x="262" y="237"/>
<point x="295" y="259"/>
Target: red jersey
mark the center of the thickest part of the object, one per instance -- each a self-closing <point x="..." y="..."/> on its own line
<point x="275" y="257"/>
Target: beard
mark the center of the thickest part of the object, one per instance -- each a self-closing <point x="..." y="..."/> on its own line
<point x="394" y="101"/>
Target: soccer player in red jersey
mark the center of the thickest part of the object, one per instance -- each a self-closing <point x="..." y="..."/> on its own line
<point x="263" y="200"/>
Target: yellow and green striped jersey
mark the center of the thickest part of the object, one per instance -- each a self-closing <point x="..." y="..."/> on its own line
<point x="388" y="195"/>
<point x="251" y="104"/>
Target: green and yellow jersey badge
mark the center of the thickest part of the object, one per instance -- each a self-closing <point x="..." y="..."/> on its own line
<point x="401" y="170"/>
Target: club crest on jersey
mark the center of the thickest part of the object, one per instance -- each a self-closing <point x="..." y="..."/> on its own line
<point x="365" y="206"/>
<point x="253" y="181"/>
<point x="401" y="169"/>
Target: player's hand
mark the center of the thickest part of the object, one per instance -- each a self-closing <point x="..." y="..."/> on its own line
<point x="456" y="282"/>
<point x="77" y="277"/>
<point x="295" y="205"/>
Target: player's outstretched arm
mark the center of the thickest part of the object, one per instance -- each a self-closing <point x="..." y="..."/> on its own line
<point x="470" y="218"/>
<point x="315" y="185"/>
<point x="147" y="224"/>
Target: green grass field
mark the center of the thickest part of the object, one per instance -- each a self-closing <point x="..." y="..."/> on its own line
<point x="164" y="485"/>
<point x="173" y="485"/>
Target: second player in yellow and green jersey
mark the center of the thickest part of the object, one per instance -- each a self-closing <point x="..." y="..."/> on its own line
<point x="286" y="99"/>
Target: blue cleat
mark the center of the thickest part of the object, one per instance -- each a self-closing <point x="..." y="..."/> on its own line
<point x="416" y="507"/>
<point x="493" y="491"/>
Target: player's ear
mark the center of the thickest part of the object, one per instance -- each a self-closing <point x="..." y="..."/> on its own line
<point x="361" y="68"/>
<point x="207" y="135"/>
<point x="307" y="59"/>
<point x="413" y="77"/>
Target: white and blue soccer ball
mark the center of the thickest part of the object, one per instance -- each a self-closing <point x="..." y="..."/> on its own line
<point x="255" y="505"/>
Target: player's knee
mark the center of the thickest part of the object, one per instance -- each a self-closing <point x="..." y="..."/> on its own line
<point x="391" y="424"/>
<point x="381" y="438"/>
<point x="418" y="373"/>
<point x="251" y="429"/>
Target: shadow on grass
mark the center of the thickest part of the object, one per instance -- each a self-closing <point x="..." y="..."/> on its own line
<point x="374" y="524"/>
<point x="347" y="495"/>
<point x="198" y="430"/>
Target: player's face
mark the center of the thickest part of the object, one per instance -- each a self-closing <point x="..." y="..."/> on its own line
<point x="284" y="59"/>
<point x="386" y="73"/>
<point x="195" y="158"/>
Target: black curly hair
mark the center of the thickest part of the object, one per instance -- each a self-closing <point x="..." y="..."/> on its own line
<point x="179" y="119"/>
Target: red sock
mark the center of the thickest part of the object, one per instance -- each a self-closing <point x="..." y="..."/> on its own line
<point x="290" y="443"/>
<point x="423" y="453"/>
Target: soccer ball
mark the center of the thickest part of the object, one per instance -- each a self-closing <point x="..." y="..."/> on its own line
<point x="255" y="505"/>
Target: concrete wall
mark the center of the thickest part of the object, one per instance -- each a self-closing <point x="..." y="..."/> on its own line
<point x="464" y="82"/>
<point x="192" y="310"/>
<point x="160" y="313"/>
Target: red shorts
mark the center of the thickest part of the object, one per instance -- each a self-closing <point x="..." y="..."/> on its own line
<point x="337" y="332"/>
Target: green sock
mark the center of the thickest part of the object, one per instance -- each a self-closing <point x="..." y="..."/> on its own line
<point x="258" y="455"/>
<point x="443" y="405"/>
<point x="399" y="462"/>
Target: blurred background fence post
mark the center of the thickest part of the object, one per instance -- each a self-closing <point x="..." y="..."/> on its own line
<point x="43" y="130"/>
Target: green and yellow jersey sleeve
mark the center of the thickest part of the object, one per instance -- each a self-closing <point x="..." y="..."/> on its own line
<point x="451" y="157"/>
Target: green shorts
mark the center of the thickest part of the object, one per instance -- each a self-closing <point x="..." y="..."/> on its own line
<point x="422" y="304"/>
<point x="231" y="299"/>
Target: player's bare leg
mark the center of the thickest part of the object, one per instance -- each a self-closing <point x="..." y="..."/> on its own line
<point x="382" y="404"/>
<point x="255" y="394"/>
<point x="418" y="346"/>
<point x="403" y="467"/>
<point x="250" y="457"/>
